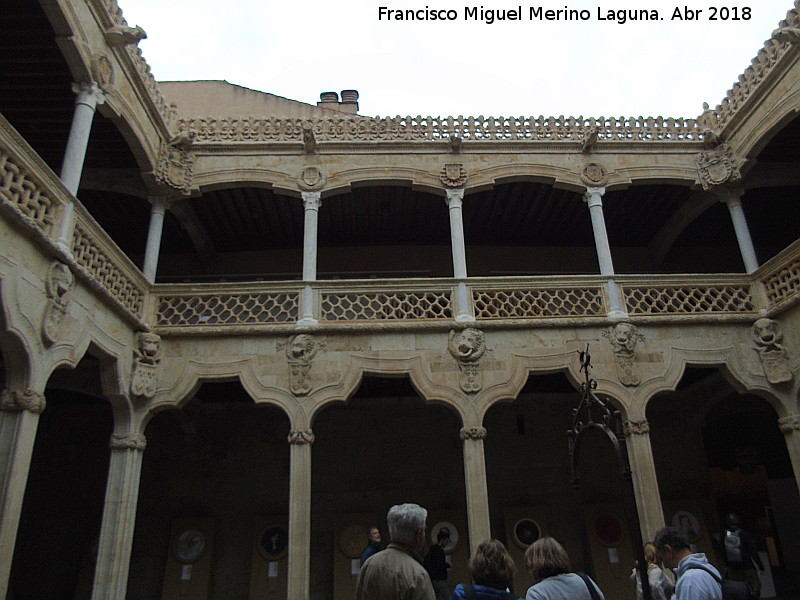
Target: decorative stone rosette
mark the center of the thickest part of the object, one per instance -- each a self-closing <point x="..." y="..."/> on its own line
<point x="146" y="359"/>
<point x="768" y="336"/>
<point x="594" y="175"/>
<point x="717" y="166"/>
<point x="623" y="338"/>
<point x="59" y="285"/>
<point x="467" y="346"/>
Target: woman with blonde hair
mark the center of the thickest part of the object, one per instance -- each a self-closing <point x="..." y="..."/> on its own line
<point x="492" y="571"/>
<point x="661" y="588"/>
<point x="548" y="565"/>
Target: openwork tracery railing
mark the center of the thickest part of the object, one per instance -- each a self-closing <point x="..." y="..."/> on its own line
<point x="386" y="305"/>
<point x="243" y="308"/>
<point x="420" y="129"/>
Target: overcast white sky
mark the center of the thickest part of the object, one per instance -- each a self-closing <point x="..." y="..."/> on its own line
<point x="298" y="49"/>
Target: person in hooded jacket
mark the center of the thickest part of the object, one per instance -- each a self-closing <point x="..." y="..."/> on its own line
<point x="492" y="571"/>
<point x="696" y="576"/>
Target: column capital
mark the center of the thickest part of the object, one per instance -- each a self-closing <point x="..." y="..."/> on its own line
<point x="472" y="433"/>
<point x="640" y="427"/>
<point x="789" y="423"/>
<point x="455" y="197"/>
<point x="301" y="437"/>
<point x="729" y="194"/>
<point x="128" y="441"/>
<point x="88" y="93"/>
<point x="594" y="196"/>
<point x="311" y="200"/>
<point x="160" y="204"/>
<point x="29" y="400"/>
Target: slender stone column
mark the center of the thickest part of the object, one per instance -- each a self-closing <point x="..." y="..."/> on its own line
<point x="311" y="204"/>
<point x="790" y="426"/>
<point x="477" y="490"/>
<point x="88" y="97"/>
<point x="645" y="482"/>
<point x="732" y="197"/>
<point x="299" y="513"/>
<point x="119" y="517"/>
<point x="594" y="199"/>
<point x="157" y="210"/>
<point x="19" y="418"/>
<point x="455" y="200"/>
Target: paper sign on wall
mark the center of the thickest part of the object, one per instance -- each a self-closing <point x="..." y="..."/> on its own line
<point x="272" y="571"/>
<point x="186" y="572"/>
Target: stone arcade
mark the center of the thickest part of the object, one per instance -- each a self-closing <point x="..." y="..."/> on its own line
<point x="236" y="328"/>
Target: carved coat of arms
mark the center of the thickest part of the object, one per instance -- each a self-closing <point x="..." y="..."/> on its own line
<point x="717" y="166"/>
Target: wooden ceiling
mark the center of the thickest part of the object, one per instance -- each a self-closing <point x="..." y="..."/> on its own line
<point x="35" y="97"/>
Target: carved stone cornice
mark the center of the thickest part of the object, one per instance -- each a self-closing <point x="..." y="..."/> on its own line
<point x="789" y="423"/>
<point x="128" y="441"/>
<point x="29" y="400"/>
<point x="472" y="433"/>
<point x="636" y="427"/>
<point x="301" y="436"/>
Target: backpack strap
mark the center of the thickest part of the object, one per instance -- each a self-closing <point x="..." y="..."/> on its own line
<point x="717" y="579"/>
<point x="592" y="591"/>
<point x="469" y="592"/>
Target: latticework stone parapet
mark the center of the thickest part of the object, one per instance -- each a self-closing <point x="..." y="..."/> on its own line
<point x="527" y="303"/>
<point x="372" y="306"/>
<point x="681" y="300"/>
<point x="783" y="283"/>
<point x="26" y="195"/>
<point x="227" y="309"/>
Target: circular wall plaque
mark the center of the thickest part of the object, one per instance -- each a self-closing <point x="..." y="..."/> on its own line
<point x="273" y="542"/>
<point x="607" y="528"/>
<point x="189" y="545"/>
<point x="526" y="531"/>
<point x="353" y="540"/>
<point x="451" y="547"/>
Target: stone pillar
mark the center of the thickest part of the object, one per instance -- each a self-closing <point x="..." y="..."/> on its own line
<point x="455" y="200"/>
<point x="119" y="517"/>
<point x="299" y="513"/>
<point x="732" y="197"/>
<point x="645" y="482"/>
<point x="594" y="199"/>
<point x="311" y="204"/>
<point x="88" y="97"/>
<point x="157" y="210"/>
<point x="790" y="426"/>
<point x="19" y="418"/>
<point x="477" y="490"/>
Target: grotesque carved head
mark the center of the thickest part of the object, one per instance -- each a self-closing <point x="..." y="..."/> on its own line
<point x="148" y="346"/>
<point x="467" y="345"/>
<point x="59" y="282"/>
<point x="624" y="336"/>
<point x="767" y="333"/>
<point x="301" y="347"/>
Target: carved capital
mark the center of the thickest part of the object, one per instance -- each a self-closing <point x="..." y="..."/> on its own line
<point x="88" y="93"/>
<point x="594" y="196"/>
<point x="717" y="166"/>
<point x="128" y="441"/>
<point x="636" y="427"/>
<point x="311" y="200"/>
<point x="472" y="433"/>
<point x="301" y="436"/>
<point x="29" y="400"/>
<point x="789" y="423"/>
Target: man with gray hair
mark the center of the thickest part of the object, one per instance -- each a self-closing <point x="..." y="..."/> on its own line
<point x="397" y="573"/>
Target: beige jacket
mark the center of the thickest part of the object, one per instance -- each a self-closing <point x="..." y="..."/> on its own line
<point x="394" y="574"/>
